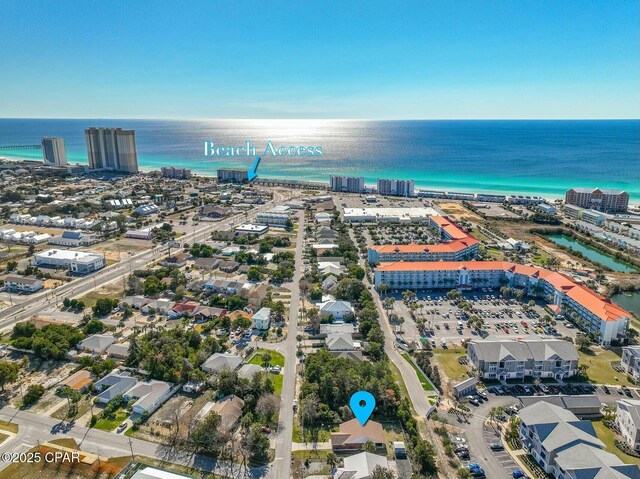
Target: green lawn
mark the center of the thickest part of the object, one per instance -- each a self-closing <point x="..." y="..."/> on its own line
<point x="277" y="383"/>
<point x="598" y="362"/>
<point x="9" y="426"/>
<point x="111" y="424"/>
<point x="324" y="434"/>
<point x="607" y="436"/>
<point x="277" y="359"/>
<point x="426" y="385"/>
<point x="448" y="362"/>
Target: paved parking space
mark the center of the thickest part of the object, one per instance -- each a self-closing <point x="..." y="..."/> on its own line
<point x="503" y="458"/>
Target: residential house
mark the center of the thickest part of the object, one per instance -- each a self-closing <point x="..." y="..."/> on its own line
<point x="148" y="395"/>
<point x="228" y="266"/>
<point x="148" y="472"/>
<point x="96" y="344"/>
<point x="183" y="309"/>
<point x="229" y="408"/>
<point x="178" y="260"/>
<point x="207" y="313"/>
<point x="119" y="350"/>
<point x="509" y="359"/>
<point x="339" y="342"/>
<point x="360" y="466"/>
<point x="112" y="385"/>
<point x="213" y="211"/>
<point x="78" y="381"/>
<point x="221" y="361"/>
<point x="158" y="306"/>
<point x="353" y="355"/>
<point x="337" y="309"/>
<point x="352" y="435"/>
<point x="207" y="264"/>
<point x="262" y="319"/>
<point x="329" y="283"/>
<point x="135" y="302"/>
<point x="339" y="328"/>
<point x="248" y="371"/>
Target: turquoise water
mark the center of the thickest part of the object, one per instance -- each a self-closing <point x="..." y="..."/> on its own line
<point x="530" y="157"/>
<point x="592" y="253"/>
<point x="629" y="301"/>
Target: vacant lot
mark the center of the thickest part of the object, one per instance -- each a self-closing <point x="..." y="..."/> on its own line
<point x="112" y="290"/>
<point x="458" y="211"/>
<point x="598" y="362"/>
<point x="448" y="362"/>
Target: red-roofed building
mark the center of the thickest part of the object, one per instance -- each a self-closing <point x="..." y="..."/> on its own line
<point x="590" y="311"/>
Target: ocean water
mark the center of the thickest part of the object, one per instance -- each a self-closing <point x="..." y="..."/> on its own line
<point x="530" y="157"/>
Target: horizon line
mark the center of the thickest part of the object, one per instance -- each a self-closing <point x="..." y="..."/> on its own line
<point x="318" y="119"/>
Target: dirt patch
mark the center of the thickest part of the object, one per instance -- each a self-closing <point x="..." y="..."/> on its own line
<point x="458" y="211"/>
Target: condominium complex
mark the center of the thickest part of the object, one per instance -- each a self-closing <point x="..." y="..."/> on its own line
<point x="510" y="359"/>
<point x="597" y="199"/>
<point x="177" y="173"/>
<point x="53" y="152"/>
<point x="112" y="149"/>
<point x="458" y="245"/>
<point x="347" y="184"/>
<point x="232" y="175"/>
<point x="567" y="447"/>
<point x="395" y="187"/>
<point x="586" y="308"/>
<point x="628" y="421"/>
<point x="630" y="361"/>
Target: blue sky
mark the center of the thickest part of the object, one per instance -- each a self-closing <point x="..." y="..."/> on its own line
<point x="322" y="59"/>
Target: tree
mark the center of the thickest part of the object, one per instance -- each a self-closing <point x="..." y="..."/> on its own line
<point x="380" y="472"/>
<point x="369" y="446"/>
<point x="582" y="342"/>
<point x="104" y="306"/>
<point x="277" y="311"/>
<point x="266" y="359"/>
<point x="254" y="274"/>
<point x="94" y="326"/>
<point x="34" y="392"/>
<point x="424" y="457"/>
<point x="8" y="373"/>
<point x="332" y="460"/>
<point x="267" y="406"/>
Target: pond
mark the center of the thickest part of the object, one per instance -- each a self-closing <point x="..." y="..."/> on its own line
<point x="629" y="301"/>
<point x="592" y="253"/>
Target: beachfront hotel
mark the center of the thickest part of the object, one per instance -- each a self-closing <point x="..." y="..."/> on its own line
<point x="53" y="152"/>
<point x="591" y="312"/>
<point x="457" y="245"/>
<point x="395" y="187"/>
<point x="610" y="201"/>
<point x="347" y="184"/>
<point x="112" y="149"/>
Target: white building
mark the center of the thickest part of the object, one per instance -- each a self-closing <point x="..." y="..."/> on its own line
<point x="628" y="420"/>
<point x="251" y="229"/>
<point x="347" y="184"/>
<point x="413" y="214"/>
<point x="273" y="219"/>
<point x="80" y="262"/>
<point x="21" y="284"/>
<point x="262" y="319"/>
<point x="630" y="361"/>
<point x="73" y="239"/>
<point x="360" y="466"/>
<point x="53" y="152"/>
<point x="178" y="173"/>
<point x="395" y="187"/>
<point x="337" y="309"/>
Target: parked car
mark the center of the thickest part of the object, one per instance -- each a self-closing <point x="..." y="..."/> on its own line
<point x="496" y="446"/>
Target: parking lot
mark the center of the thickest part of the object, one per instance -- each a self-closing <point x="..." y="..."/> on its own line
<point x="441" y="322"/>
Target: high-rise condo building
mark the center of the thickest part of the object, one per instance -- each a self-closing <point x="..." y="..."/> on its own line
<point x="347" y="184"/>
<point x="112" y="149"/>
<point x="53" y="152"/>
<point x="609" y="201"/>
<point x="395" y="187"/>
<point x="178" y="173"/>
<point x="232" y="175"/>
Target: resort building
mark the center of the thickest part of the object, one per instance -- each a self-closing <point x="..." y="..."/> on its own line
<point x="457" y="246"/>
<point x="509" y="359"/>
<point x="79" y="262"/>
<point x="232" y="175"/>
<point x="112" y="149"/>
<point x="630" y="361"/>
<point x="567" y="447"/>
<point x="628" y="421"/>
<point x="597" y="199"/>
<point x="395" y="187"/>
<point x="347" y="184"/>
<point x="415" y="214"/>
<point x="587" y="309"/>
<point x="177" y="173"/>
<point x="53" y="152"/>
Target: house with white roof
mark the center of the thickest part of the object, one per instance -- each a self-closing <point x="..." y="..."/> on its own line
<point x="96" y="344"/>
<point x="337" y="309"/>
<point x="262" y="319"/>
<point x="360" y="466"/>
<point x="148" y="394"/>
<point x="339" y="342"/>
<point x="221" y="361"/>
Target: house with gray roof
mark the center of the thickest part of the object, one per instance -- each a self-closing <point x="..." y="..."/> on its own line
<point x="630" y="361"/>
<point x="585" y="406"/>
<point x="337" y="309"/>
<point x="136" y="302"/>
<point x="248" y="371"/>
<point x="339" y="342"/>
<point x="148" y="395"/>
<point x="588" y="462"/>
<point x="339" y="328"/>
<point x="546" y="430"/>
<point x="510" y="359"/>
<point x="221" y="361"/>
<point x="96" y="344"/>
<point x="628" y="420"/>
<point x="113" y="385"/>
<point x="119" y="350"/>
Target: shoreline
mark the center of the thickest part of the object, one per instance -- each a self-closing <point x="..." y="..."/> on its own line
<point x="418" y="184"/>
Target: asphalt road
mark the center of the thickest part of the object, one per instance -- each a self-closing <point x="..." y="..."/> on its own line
<point x="281" y="466"/>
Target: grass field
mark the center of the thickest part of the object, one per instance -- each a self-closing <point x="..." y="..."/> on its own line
<point x="277" y="383"/>
<point x="277" y="359"/>
<point x="448" y="362"/>
<point x="110" y="291"/>
<point x="324" y="434"/>
<point x="426" y="385"/>
<point x="3" y="437"/>
<point x="9" y="426"/>
<point x="598" y="362"/>
<point x="607" y="436"/>
<point x="111" y="424"/>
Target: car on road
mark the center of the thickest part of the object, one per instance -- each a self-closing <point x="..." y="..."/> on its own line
<point x="496" y="446"/>
<point x="121" y="427"/>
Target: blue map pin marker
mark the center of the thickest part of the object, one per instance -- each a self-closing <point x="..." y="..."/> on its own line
<point x="362" y="404"/>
